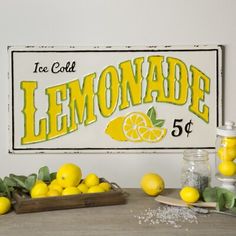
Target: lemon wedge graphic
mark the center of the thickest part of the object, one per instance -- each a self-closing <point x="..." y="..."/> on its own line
<point x="114" y="129"/>
<point x="131" y="124"/>
<point x="151" y="134"/>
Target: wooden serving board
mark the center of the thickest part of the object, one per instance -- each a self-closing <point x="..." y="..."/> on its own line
<point x="23" y="203"/>
<point x="178" y="202"/>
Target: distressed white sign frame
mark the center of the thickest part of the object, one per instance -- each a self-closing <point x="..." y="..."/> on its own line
<point x="36" y="64"/>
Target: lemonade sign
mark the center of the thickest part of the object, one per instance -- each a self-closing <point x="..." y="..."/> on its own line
<point x="114" y="99"/>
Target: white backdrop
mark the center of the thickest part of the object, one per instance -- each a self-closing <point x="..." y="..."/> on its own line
<point x="114" y="23"/>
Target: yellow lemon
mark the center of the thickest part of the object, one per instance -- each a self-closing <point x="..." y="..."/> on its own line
<point x="114" y="129"/>
<point x="69" y="175"/>
<point x="227" y="153"/>
<point x="131" y="123"/>
<point x="227" y="168"/>
<point x="53" y="193"/>
<point x="96" y="189"/>
<point x="151" y="134"/>
<point x="55" y="186"/>
<point x="5" y="205"/>
<point x="106" y="186"/>
<point x="152" y="184"/>
<point x="91" y="180"/>
<point x="40" y="189"/>
<point x="70" y="191"/>
<point x="54" y="181"/>
<point x="229" y="142"/>
<point x="83" y="188"/>
<point x="189" y="194"/>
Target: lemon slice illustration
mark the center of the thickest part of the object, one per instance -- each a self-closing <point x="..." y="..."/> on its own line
<point x="151" y="134"/>
<point x="131" y="124"/>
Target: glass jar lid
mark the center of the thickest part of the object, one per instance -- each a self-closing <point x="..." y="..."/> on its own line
<point x="196" y="155"/>
<point x="227" y="130"/>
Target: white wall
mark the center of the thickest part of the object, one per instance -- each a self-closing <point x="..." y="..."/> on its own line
<point x="108" y="22"/>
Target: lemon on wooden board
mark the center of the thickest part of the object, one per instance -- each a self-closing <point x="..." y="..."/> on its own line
<point x="83" y="188"/>
<point x="227" y="168"/>
<point x="5" y="205"/>
<point x="70" y="191"/>
<point x="55" y="186"/>
<point x="91" y="180"/>
<point x="40" y="189"/>
<point x="53" y="193"/>
<point x="96" y="189"/>
<point x="69" y="175"/>
<point x="189" y="194"/>
<point x="106" y="186"/>
<point x="152" y="184"/>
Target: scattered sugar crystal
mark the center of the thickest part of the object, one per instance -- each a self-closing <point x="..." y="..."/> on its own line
<point x="168" y="215"/>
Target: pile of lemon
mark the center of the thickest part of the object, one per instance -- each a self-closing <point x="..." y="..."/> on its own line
<point x="69" y="182"/>
<point x="227" y="155"/>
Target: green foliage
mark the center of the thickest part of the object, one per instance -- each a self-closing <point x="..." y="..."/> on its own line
<point x="23" y="183"/>
<point x="224" y="198"/>
<point x="43" y="174"/>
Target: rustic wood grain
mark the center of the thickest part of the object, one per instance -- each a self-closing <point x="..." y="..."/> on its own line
<point x="111" y="220"/>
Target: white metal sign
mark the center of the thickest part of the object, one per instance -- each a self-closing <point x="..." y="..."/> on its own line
<point x="128" y="99"/>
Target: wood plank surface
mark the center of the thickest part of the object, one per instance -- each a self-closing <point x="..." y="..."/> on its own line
<point x="112" y="220"/>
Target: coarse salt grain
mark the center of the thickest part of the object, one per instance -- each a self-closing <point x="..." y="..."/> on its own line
<point x="168" y="215"/>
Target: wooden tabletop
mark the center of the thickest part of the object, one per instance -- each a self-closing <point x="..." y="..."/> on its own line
<point x="128" y="219"/>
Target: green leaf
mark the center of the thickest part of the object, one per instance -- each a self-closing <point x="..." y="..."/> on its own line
<point x="229" y="197"/>
<point x="2" y="187"/>
<point x="8" y="193"/>
<point x="152" y="114"/>
<point x="10" y="182"/>
<point x="158" y="123"/>
<point x="20" y="180"/>
<point x="44" y="174"/>
<point x="220" y="204"/>
<point x="209" y="194"/>
<point x="53" y="175"/>
<point x="30" y="181"/>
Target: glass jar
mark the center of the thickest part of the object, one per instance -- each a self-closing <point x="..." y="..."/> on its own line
<point x="226" y="151"/>
<point x="195" y="170"/>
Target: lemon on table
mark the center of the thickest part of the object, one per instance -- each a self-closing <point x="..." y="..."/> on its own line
<point x="227" y="153"/>
<point x="96" y="189"/>
<point x="91" y="180"/>
<point x="227" y="168"/>
<point x="114" y="129"/>
<point x="69" y="175"/>
<point x="151" y="134"/>
<point x="83" y="188"/>
<point x="70" y="191"/>
<point x="189" y="194"/>
<point x="106" y="186"/>
<point x="40" y="189"/>
<point x="131" y="123"/>
<point x="152" y="184"/>
<point x="5" y="205"/>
